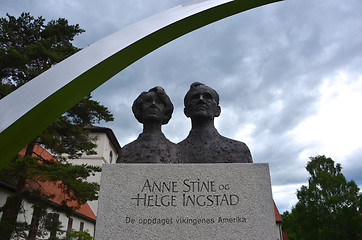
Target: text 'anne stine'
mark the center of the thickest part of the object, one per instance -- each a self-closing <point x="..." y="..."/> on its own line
<point x="189" y="192"/>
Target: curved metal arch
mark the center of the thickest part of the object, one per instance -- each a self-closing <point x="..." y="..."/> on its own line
<point x="31" y="108"/>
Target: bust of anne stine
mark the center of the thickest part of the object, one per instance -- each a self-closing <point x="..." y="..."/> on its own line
<point x="153" y="109"/>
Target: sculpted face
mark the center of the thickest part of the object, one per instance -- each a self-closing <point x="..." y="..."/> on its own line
<point x="201" y="103"/>
<point x="153" y="108"/>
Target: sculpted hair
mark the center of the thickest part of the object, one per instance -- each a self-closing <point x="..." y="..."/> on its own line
<point x="196" y="85"/>
<point x="137" y="104"/>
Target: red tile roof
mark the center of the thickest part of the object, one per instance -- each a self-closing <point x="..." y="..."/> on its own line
<point x="278" y="218"/>
<point x="54" y="188"/>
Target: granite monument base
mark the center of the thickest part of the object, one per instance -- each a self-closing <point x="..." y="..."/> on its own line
<point x="185" y="201"/>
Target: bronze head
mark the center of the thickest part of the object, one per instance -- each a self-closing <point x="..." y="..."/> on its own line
<point x="154" y="104"/>
<point x="201" y="102"/>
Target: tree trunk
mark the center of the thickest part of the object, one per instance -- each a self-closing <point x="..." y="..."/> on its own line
<point x="13" y="204"/>
<point x="10" y="214"/>
<point x="37" y="214"/>
<point x="30" y="148"/>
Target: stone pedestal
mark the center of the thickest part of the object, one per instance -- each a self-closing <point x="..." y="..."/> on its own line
<point x="185" y="201"/>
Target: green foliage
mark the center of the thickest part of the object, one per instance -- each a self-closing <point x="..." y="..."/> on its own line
<point x="67" y="135"/>
<point x="48" y="225"/>
<point x="77" y="235"/>
<point x="19" y="228"/>
<point x="28" y="47"/>
<point x="328" y="208"/>
<point x="36" y="171"/>
<point x="72" y="184"/>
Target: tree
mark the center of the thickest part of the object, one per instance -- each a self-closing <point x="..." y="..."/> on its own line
<point x="290" y="225"/>
<point x="328" y="208"/>
<point x="29" y="47"/>
<point x="76" y="235"/>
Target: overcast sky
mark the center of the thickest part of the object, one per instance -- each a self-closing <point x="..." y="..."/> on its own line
<point x="289" y="76"/>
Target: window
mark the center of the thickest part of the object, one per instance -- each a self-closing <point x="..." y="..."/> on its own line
<point x="110" y="156"/>
<point x="81" y="227"/>
<point x="55" y="217"/>
<point x="70" y="224"/>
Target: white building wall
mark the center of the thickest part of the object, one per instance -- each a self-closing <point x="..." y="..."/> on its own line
<point x="87" y="225"/>
<point x="3" y="195"/>
<point x="279" y="231"/>
<point x="26" y="216"/>
<point x="100" y="141"/>
<point x="104" y="147"/>
<point x="96" y="178"/>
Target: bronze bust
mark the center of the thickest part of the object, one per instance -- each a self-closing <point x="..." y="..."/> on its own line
<point x="153" y="109"/>
<point x="204" y="144"/>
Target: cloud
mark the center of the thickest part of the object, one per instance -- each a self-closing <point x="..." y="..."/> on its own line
<point x="279" y="70"/>
<point x="352" y="168"/>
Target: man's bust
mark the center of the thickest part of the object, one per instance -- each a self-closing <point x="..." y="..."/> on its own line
<point x="204" y="144"/>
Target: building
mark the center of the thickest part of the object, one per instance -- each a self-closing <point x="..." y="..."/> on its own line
<point x="81" y="219"/>
<point x="278" y="221"/>
<point x="84" y="218"/>
<point x="108" y="149"/>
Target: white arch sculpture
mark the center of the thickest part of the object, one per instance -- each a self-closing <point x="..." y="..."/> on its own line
<point x="31" y="108"/>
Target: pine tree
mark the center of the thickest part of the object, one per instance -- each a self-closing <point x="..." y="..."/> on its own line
<point x="29" y="47"/>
